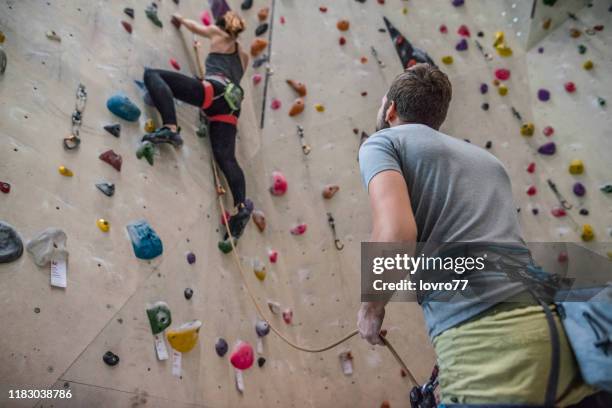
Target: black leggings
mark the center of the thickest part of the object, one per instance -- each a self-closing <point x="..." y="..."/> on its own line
<point x="164" y="86"/>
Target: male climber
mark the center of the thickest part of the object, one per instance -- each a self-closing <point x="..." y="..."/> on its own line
<point x="425" y="186"/>
<point x="219" y="95"/>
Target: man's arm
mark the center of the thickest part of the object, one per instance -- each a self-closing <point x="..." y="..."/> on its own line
<point x="392" y="221"/>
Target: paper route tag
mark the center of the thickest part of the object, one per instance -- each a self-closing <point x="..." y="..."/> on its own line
<point x="160" y="347"/>
<point x="177" y="358"/>
<point x="58" y="273"/>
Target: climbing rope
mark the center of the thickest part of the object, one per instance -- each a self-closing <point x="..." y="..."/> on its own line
<point x="243" y="274"/>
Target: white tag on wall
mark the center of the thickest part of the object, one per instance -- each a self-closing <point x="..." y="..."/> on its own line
<point x="239" y="381"/>
<point x="58" y="273"/>
<point x="160" y="347"/>
<point x="177" y="358"/>
<point x="259" y="345"/>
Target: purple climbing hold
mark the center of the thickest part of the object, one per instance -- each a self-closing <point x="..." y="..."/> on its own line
<point x="543" y="95"/>
<point x="535" y="211"/>
<point x="191" y="258"/>
<point x="221" y="347"/>
<point x="458" y="3"/>
<point x="579" y="189"/>
<point x="541" y="50"/>
<point x="548" y="149"/>
<point x="484" y="88"/>
<point x="462" y="45"/>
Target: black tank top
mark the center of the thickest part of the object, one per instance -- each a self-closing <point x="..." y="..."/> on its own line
<point x="229" y="65"/>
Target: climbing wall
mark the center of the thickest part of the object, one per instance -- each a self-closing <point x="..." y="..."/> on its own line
<point x="55" y="338"/>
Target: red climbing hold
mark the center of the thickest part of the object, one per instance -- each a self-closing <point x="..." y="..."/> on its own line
<point x="127" y="26"/>
<point x="5" y="187"/>
<point x="112" y="158"/>
<point x="323" y="9"/>
<point x="275" y="104"/>
<point x="225" y="217"/>
<point x="242" y="357"/>
<point x="502" y="74"/>
<point x="531" y="168"/>
<point x="464" y="31"/>
<point x="272" y="255"/>
<point x="558" y="212"/>
<point x="548" y="131"/>
<point x="570" y="87"/>
<point x="299" y="229"/>
<point x="282" y="20"/>
<point x="206" y="18"/>
<point x="279" y="184"/>
<point x="288" y="316"/>
<point x="443" y="29"/>
<point x="257" y="79"/>
<point x="532" y="190"/>
<point x="342" y="41"/>
<point x="381" y="1"/>
<point x="175" y="64"/>
<point x="562" y="257"/>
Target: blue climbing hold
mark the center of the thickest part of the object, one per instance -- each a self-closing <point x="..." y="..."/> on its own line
<point x="145" y="241"/>
<point x="120" y="105"/>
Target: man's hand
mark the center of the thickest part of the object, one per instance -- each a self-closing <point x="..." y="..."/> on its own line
<point x="369" y="321"/>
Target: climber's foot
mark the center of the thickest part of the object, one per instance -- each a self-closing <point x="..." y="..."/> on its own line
<point x="164" y="135"/>
<point x="238" y="222"/>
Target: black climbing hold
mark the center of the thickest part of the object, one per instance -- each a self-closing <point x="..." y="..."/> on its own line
<point x="261" y="29"/>
<point x="221" y="347"/>
<point x="485" y="106"/>
<point x="107" y="188"/>
<point x="468" y="140"/>
<point x="114" y="130"/>
<point x="11" y="246"/>
<point x="489" y="144"/>
<point x="246" y="4"/>
<point x="37" y="310"/>
<point x="176" y="1"/>
<point x="188" y="293"/>
<point x="535" y="211"/>
<point x="261" y="361"/>
<point x="382" y="30"/>
<point x="584" y="211"/>
<point x="129" y="11"/>
<point x="110" y="358"/>
<point x="480" y="34"/>
<point x="258" y="62"/>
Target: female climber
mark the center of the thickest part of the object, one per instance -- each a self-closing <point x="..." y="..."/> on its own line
<point x="219" y="96"/>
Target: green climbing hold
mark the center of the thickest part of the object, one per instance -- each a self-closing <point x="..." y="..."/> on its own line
<point x="582" y="49"/>
<point x="226" y="246"/>
<point x="146" y="150"/>
<point x="549" y="2"/>
<point x="151" y="12"/>
<point x="159" y="317"/>
<point x="606" y="188"/>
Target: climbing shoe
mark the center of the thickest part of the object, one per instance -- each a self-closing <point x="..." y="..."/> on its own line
<point x="164" y="135"/>
<point x="239" y="221"/>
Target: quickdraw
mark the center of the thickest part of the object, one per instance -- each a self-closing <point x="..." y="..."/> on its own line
<point x="561" y="199"/>
<point x="73" y="141"/>
<point x="377" y="58"/>
<point x="485" y="54"/>
<point x="305" y="147"/>
<point x="332" y="224"/>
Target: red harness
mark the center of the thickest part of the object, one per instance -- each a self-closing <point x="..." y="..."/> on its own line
<point x="209" y="95"/>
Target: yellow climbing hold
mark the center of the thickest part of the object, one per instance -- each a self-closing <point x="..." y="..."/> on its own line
<point x="184" y="338"/>
<point x="149" y="126"/>
<point x="576" y="166"/>
<point x="103" y="225"/>
<point x="502" y="90"/>
<point x="587" y="232"/>
<point x="2" y="37"/>
<point x="260" y="270"/>
<point x="527" y="129"/>
<point x="447" y="59"/>
<point x="588" y="65"/>
<point x="609" y="253"/>
<point x="65" y="171"/>
<point x="498" y="38"/>
<point x="503" y="50"/>
<point x="319" y="107"/>
<point x="405" y="10"/>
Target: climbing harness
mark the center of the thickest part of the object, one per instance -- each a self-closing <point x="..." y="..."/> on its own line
<point x="305" y="147"/>
<point x="562" y="201"/>
<point x="73" y="141"/>
<point x="332" y="224"/>
<point x="423" y="396"/>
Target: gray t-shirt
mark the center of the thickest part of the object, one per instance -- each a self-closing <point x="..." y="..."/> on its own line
<point x="459" y="193"/>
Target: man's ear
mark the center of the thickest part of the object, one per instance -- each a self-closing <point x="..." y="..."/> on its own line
<point x="391" y="113"/>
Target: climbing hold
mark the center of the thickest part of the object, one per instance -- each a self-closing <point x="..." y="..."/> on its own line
<point x="191" y="258"/>
<point x="385" y="403"/>
<point x="262" y="328"/>
<point x="149" y="126"/>
<point x="129" y="11"/>
<point x="11" y="246"/>
<point x="263" y="13"/>
<point x="549" y="3"/>
<point x="364" y="93"/>
<point x="279" y="184"/>
<point x="489" y="144"/>
<point x="558" y="212"/>
<point x="188" y="292"/>
<point x="502" y="74"/>
<point x="579" y="189"/>
<point x="274" y="307"/>
<point x="587" y="233"/>
<point x="257" y="78"/>
<point x="562" y="257"/>
<point x="112" y="158"/>
<point x="65" y="171"/>
<point x="504" y="50"/>
<point x="259" y="269"/>
<point x="52" y="35"/>
<point x="2" y="37"/>
<point x="527" y="129"/>
<point x="206" y="18"/>
<point x="582" y="49"/>
<point x="485" y="106"/>
<point x="462" y="45"/>
<point x="259" y="219"/>
<point x="546" y="24"/>
<point x="319" y="108"/>
<point x="120" y="105"/>
<point x="606" y="188"/>
<point x="110" y="358"/>
<point x="49" y="245"/>
<point x="570" y="87"/>
<point x="225" y="246"/>
<point x="464" y="31"/>
<point x="299" y="229"/>
<point x="221" y="347"/>
<point x="548" y="149"/>
<point x="127" y="26"/>
<point x="447" y="59"/>
<point x="457" y="3"/>
<point x="272" y="255"/>
<point x="146" y="150"/>
<point x="159" y="316"/>
<point x="261" y="29"/>
<point x="531" y="167"/>
<point x="601" y="101"/>
<point x="548" y="131"/>
<point x="532" y="190"/>
<point x="535" y="211"/>
<point x="146" y="243"/>
<point x="184" y="338"/>
<point x="5" y="187"/>
<point x="576" y="166"/>
<point x="298" y="87"/>
<point x="443" y="29"/>
<point x="175" y="64"/>
<point x="261" y="361"/>
<point x="242" y="356"/>
<point x="323" y="9"/>
<point x="588" y="65"/>
<point x="114" y="130"/>
<point x="502" y="90"/>
<point x="575" y="33"/>
<point x="484" y="88"/>
<point x="405" y="10"/>
<point x="498" y="38"/>
<point x="343" y="25"/>
<point x="330" y="190"/>
<point x="3" y="61"/>
<point x="225" y="217"/>
<point x="297" y="107"/>
<point x="151" y="12"/>
<point x="275" y="104"/>
<point x="543" y="95"/>
<point x="288" y="316"/>
<point x="583" y="211"/>
<point x="257" y="46"/>
<point x="103" y="225"/>
<point x="246" y="5"/>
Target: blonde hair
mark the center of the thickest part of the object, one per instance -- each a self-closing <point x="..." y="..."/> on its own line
<point x="232" y="23"/>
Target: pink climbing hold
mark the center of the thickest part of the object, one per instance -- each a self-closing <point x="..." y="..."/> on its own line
<point x="558" y="212"/>
<point x="282" y="20"/>
<point x="464" y="31"/>
<point x="570" y="87"/>
<point x="206" y="18"/>
<point x="225" y="217"/>
<point x="175" y="64"/>
<point x="272" y="255"/>
<point x="275" y="104"/>
<point x="299" y="229"/>
<point x="443" y="29"/>
<point x="562" y="257"/>
<point x="279" y="184"/>
<point x="532" y="190"/>
<point x="288" y="316"/>
<point x="502" y="74"/>
<point x="242" y="357"/>
<point x="257" y="79"/>
<point x="531" y="168"/>
<point x="548" y="131"/>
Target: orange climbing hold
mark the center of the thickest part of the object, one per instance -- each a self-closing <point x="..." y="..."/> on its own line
<point x="330" y="190"/>
<point x="263" y="14"/>
<point x="298" y="87"/>
<point x="257" y="46"/>
<point x="297" y="107"/>
<point x="259" y="219"/>
<point x="343" y="25"/>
